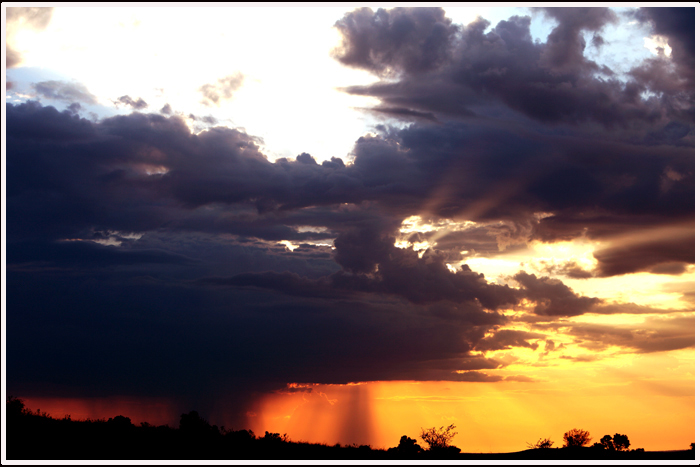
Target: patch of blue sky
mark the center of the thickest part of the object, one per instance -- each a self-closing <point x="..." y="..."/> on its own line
<point x="23" y="79"/>
<point x="624" y="45"/>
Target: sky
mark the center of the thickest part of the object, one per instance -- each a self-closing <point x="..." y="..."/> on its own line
<point x="347" y="224"/>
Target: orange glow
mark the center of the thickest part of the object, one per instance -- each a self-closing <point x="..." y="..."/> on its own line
<point x="606" y="396"/>
<point x="154" y="411"/>
<point x="326" y="414"/>
<point x="603" y="398"/>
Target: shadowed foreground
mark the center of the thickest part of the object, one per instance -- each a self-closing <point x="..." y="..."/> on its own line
<point x="34" y="436"/>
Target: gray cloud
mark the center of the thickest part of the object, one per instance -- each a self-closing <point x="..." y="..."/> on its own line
<point x="222" y="90"/>
<point x="563" y="51"/>
<point x="391" y="41"/>
<point x="654" y="335"/>
<point x="553" y="297"/>
<point x="667" y="256"/>
<point x="137" y="104"/>
<point x="507" y="339"/>
<point x="568" y="268"/>
<point x="64" y="91"/>
<point x="456" y="71"/>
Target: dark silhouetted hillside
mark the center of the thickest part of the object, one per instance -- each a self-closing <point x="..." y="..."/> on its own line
<point x="37" y="436"/>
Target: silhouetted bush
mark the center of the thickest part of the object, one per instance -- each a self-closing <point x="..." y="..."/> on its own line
<point x="240" y="436"/>
<point x="275" y="438"/>
<point x="438" y="438"/>
<point x="576" y="438"/>
<point x="545" y="443"/>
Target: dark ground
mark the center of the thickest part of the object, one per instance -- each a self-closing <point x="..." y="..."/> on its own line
<point x="39" y="437"/>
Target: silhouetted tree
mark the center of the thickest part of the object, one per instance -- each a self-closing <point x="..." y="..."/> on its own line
<point x="545" y="443"/>
<point x="438" y="438"/>
<point x="407" y="447"/>
<point x="613" y="443"/>
<point x="15" y="407"/>
<point x="606" y="442"/>
<point x="621" y="442"/>
<point x="120" y="421"/>
<point x="576" y="438"/>
<point x="194" y="424"/>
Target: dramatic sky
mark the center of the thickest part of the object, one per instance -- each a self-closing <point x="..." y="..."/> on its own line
<point x="347" y="224"/>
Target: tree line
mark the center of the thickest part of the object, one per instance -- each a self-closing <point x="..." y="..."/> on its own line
<point x="36" y="435"/>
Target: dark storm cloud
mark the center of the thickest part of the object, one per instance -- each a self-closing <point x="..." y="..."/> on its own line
<point x="678" y="26"/>
<point x="17" y="18"/>
<point x="420" y="280"/>
<point x="176" y="340"/>
<point x="285" y="282"/>
<point x="668" y="256"/>
<point x="563" y="51"/>
<point x="166" y="110"/>
<point x="397" y="40"/>
<point x="72" y="179"/>
<point x="88" y="254"/>
<point x="63" y="91"/>
<point x="74" y="108"/>
<point x="520" y="174"/>
<point x="380" y="267"/>
<point x="653" y="257"/>
<point x="222" y="90"/>
<point x="154" y="172"/>
<point x="598" y="224"/>
<point x="402" y="112"/>
<point x="209" y="120"/>
<point x="553" y="297"/>
<point x="464" y="70"/>
<point x="32" y="121"/>
<point x="423" y="280"/>
<point x="598" y="41"/>
<point x="673" y="80"/>
<point x="137" y="104"/>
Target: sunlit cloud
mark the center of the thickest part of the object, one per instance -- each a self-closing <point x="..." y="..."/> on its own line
<point x="658" y="45"/>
